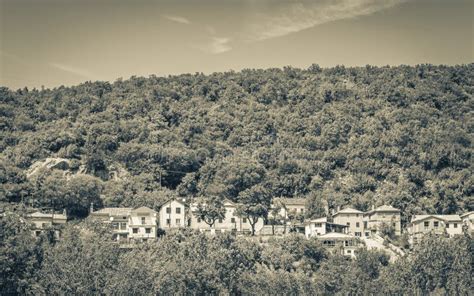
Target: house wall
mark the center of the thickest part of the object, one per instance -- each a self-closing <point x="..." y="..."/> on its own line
<point x="376" y="220"/>
<point x="229" y="223"/>
<point x="315" y="229"/>
<point x="356" y="225"/>
<point x="177" y="217"/>
<point x="135" y="222"/>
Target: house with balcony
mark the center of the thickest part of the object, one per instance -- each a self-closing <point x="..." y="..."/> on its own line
<point x="142" y="224"/>
<point x="128" y="224"/>
<point x="420" y="225"/>
<point x="322" y="226"/>
<point x="341" y="243"/>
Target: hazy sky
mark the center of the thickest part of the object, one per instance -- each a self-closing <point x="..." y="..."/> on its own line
<point x="55" y="42"/>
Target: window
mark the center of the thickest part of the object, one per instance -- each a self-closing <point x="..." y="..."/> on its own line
<point x="394" y="225"/>
<point x="349" y="251"/>
<point x="232" y="220"/>
<point x="168" y="221"/>
<point x="199" y="220"/>
<point x="38" y="233"/>
<point x="365" y="224"/>
<point x="220" y="220"/>
<point x="357" y="215"/>
<point x="114" y="225"/>
<point x="168" y="210"/>
<point x="427" y="224"/>
<point x="44" y="225"/>
<point x="357" y="224"/>
<point x="135" y="230"/>
<point x="349" y="224"/>
<point x="178" y="210"/>
<point x="302" y="210"/>
<point x="358" y="234"/>
<point x="367" y="234"/>
<point x="244" y="220"/>
<point x="147" y="230"/>
<point x="178" y="221"/>
<point x="123" y="225"/>
<point x="318" y="225"/>
<point x="143" y="220"/>
<point x="447" y="225"/>
<point x="436" y="224"/>
<point x="455" y="225"/>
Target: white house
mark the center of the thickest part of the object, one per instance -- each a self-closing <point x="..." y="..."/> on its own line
<point x="321" y="226"/>
<point x="173" y="214"/>
<point x="128" y="224"/>
<point x="43" y="221"/>
<point x="420" y="225"/>
<point x="230" y="222"/>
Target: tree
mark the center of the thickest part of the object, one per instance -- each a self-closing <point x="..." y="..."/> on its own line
<point x="254" y="204"/>
<point x="210" y="209"/>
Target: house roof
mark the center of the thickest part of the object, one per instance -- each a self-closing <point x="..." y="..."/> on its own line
<point x="348" y="211"/>
<point x="291" y="201"/>
<point x="466" y="214"/>
<point x="38" y="214"/>
<point x="113" y="211"/>
<point x="143" y="210"/>
<point x="386" y="208"/>
<point x="336" y="235"/>
<point x="447" y="218"/>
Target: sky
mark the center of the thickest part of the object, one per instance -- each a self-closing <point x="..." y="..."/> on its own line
<point x="65" y="42"/>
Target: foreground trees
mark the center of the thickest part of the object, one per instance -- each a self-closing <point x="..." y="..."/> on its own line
<point x="86" y="262"/>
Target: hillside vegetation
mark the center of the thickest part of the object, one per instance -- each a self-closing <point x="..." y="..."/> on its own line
<point x="338" y="136"/>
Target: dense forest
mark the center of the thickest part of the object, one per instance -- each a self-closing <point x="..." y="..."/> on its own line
<point x="338" y="136"/>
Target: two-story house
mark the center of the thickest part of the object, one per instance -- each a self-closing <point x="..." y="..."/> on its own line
<point x="142" y="224"/>
<point x="290" y="207"/>
<point x="129" y="224"/>
<point x="352" y="218"/>
<point x="383" y="216"/>
<point x="321" y="226"/>
<point x="44" y="221"/>
<point x="230" y="222"/>
<point x="173" y="215"/>
<point x="421" y="225"/>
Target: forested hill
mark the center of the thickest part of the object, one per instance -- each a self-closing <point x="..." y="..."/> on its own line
<point x="345" y="136"/>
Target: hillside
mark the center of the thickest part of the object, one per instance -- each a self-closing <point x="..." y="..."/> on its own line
<point x="341" y="136"/>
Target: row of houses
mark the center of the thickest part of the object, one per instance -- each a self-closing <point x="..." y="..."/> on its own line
<point x="342" y="229"/>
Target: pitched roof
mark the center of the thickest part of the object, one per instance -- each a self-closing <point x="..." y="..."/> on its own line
<point x="143" y="210"/>
<point x="446" y="218"/>
<point x="466" y="214"/>
<point x="348" y="211"/>
<point x="291" y="201"/>
<point x="113" y="211"/>
<point x="386" y="208"/>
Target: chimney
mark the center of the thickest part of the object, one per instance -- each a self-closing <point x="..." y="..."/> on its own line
<point x="373" y="207"/>
<point x="338" y="208"/>
<point x="64" y="212"/>
<point x="91" y="210"/>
